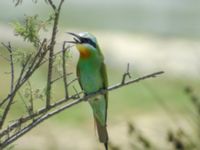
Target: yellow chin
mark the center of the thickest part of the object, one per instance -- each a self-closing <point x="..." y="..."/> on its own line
<point x="81" y="47"/>
<point x="84" y="52"/>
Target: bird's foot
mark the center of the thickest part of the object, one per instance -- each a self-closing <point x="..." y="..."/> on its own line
<point x="85" y="95"/>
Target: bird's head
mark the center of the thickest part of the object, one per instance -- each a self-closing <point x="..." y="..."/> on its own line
<point x="85" y="42"/>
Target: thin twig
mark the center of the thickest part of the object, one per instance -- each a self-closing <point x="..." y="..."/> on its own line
<point x="64" y="71"/>
<point x="18" y="2"/>
<point x="31" y="108"/>
<point x="70" y="82"/>
<point x="55" y="54"/>
<point x="22" y="98"/>
<point x="52" y="5"/>
<point x="66" y="49"/>
<point x="60" y="77"/>
<point x="126" y="74"/>
<point x="37" y="55"/>
<point x="10" y="50"/>
<point x="77" y="95"/>
<point x="12" y="95"/>
<point x="34" y="65"/>
<point x="22" y="71"/>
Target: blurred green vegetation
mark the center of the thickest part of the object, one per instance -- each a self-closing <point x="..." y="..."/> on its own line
<point x="156" y="17"/>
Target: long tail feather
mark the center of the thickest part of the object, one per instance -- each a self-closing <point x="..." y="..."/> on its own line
<point x="102" y="133"/>
<point x="106" y="146"/>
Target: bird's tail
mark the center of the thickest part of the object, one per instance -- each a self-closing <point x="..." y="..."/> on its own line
<point x="102" y="133"/>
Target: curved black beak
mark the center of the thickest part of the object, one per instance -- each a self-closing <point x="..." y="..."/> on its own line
<point x="77" y="38"/>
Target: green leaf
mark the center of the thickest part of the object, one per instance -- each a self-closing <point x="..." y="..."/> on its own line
<point x="28" y="29"/>
<point x="31" y="26"/>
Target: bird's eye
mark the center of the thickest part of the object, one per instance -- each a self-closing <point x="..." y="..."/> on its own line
<point x="89" y="41"/>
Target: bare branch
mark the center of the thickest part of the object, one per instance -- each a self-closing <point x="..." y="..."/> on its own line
<point x="12" y="95"/>
<point x="17" y="2"/>
<point x="22" y="79"/>
<point x="70" y="82"/>
<point x="60" y="5"/>
<point x="46" y="116"/>
<point x="39" y="53"/>
<point x="33" y="67"/>
<point x="51" y="51"/>
<point x="64" y="71"/>
<point x="52" y="5"/>
<point x="22" y="71"/>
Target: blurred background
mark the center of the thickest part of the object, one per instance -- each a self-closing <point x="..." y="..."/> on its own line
<point x="160" y="113"/>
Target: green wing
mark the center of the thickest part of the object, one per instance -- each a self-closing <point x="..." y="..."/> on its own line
<point x="105" y="83"/>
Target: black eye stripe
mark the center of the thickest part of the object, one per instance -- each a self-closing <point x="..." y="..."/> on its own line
<point x="88" y="41"/>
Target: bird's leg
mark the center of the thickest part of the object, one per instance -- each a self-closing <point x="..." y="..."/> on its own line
<point x="85" y="95"/>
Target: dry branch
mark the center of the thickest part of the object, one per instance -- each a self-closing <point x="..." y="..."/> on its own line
<point x="39" y="120"/>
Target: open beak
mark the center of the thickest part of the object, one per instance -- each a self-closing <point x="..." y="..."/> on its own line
<point x="77" y="38"/>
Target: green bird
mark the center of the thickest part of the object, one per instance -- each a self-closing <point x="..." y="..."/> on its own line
<point x="92" y="75"/>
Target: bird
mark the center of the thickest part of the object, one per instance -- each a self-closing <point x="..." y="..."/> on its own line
<point x="92" y="77"/>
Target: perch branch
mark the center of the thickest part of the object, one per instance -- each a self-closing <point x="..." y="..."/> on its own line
<point x="17" y="135"/>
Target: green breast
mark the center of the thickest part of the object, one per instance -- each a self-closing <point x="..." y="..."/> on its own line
<point x="90" y="75"/>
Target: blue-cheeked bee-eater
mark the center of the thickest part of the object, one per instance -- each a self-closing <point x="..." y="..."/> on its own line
<point x="92" y="76"/>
